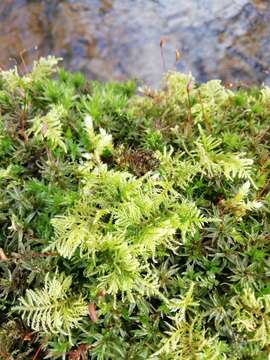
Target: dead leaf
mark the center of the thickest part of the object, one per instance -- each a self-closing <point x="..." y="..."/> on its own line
<point x="189" y="86"/>
<point x="3" y="256"/>
<point x="101" y="293"/>
<point x="92" y="312"/>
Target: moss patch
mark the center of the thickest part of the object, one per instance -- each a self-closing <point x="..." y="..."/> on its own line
<point x="134" y="222"/>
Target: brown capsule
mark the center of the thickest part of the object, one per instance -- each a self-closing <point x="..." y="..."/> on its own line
<point x="177" y="55"/>
<point x="162" y="42"/>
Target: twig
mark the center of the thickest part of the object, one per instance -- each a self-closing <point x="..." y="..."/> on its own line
<point x="40" y="348"/>
<point x="30" y="256"/>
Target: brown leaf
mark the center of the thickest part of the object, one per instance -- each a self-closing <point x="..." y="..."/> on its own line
<point x="101" y="293"/>
<point x="27" y="336"/>
<point x="44" y="129"/>
<point x="189" y="86"/>
<point x="79" y="353"/>
<point x="74" y="355"/>
<point x="92" y="312"/>
<point x="3" y="256"/>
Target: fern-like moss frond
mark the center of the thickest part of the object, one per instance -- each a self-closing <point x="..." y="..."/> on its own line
<point x="49" y="127"/>
<point x="52" y="309"/>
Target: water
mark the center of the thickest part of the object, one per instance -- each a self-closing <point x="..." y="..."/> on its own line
<point x="119" y="39"/>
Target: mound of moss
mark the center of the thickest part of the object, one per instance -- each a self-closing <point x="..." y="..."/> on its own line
<point x="134" y="222"/>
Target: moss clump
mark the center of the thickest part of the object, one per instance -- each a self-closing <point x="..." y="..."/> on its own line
<point x="134" y="223"/>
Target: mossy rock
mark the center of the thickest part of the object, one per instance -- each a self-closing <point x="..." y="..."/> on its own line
<point x="134" y="222"/>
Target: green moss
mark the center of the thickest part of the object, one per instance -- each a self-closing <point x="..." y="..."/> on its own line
<point x="134" y="222"/>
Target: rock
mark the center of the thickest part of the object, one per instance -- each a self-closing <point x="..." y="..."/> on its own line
<point x="119" y="39"/>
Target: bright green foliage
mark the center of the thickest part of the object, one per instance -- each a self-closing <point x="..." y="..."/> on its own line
<point x="186" y="338"/>
<point x="133" y="226"/>
<point x="49" y="127"/>
<point x="100" y="143"/>
<point x="252" y="315"/>
<point x="119" y="224"/>
<point x="51" y="309"/>
<point x="238" y="206"/>
<point x="214" y="162"/>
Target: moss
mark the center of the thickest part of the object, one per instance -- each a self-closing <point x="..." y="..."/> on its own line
<point x="134" y="222"/>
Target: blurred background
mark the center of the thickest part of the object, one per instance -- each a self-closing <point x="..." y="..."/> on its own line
<point x="120" y="39"/>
